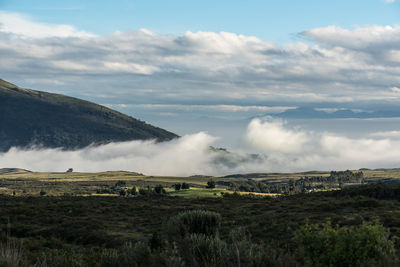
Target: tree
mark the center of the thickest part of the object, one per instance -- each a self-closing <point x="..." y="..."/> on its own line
<point x="185" y="186"/>
<point x="133" y="191"/>
<point x="210" y="184"/>
<point x="177" y="187"/>
<point x="159" y="189"/>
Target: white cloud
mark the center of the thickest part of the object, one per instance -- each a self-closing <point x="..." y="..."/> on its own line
<point x="386" y="134"/>
<point x="271" y="136"/>
<point x="228" y="108"/>
<point x="280" y="148"/>
<point x="183" y="156"/>
<point x="344" y="65"/>
<point x="16" y="23"/>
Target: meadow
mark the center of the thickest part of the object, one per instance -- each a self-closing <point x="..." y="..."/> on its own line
<point x="74" y="220"/>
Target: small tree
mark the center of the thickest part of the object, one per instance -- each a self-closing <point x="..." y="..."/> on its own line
<point x="159" y="189"/>
<point x="210" y="184"/>
<point x="133" y="191"/>
<point x="177" y="187"/>
<point x="185" y="186"/>
<point x="155" y="242"/>
<point x="142" y="191"/>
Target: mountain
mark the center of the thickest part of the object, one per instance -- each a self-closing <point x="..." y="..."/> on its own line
<point x="315" y="113"/>
<point x="29" y="117"/>
<point x="337" y="113"/>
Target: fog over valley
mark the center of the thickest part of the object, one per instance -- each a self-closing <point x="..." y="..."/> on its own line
<point x="267" y="145"/>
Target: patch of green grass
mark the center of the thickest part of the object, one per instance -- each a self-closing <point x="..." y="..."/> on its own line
<point x="197" y="192"/>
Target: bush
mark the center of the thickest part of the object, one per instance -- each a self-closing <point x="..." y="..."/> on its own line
<point x="206" y="251"/>
<point x="60" y="258"/>
<point x="185" y="186"/>
<point x="12" y="254"/>
<point x="347" y="246"/>
<point x="138" y="254"/>
<point x="210" y="184"/>
<point x="155" y="242"/>
<point x="133" y="191"/>
<point x="177" y="187"/>
<point x="159" y="190"/>
<point x="42" y="193"/>
<point x="143" y="192"/>
<point x="120" y="184"/>
<point x="194" y="222"/>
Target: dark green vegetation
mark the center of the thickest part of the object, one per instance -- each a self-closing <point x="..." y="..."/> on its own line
<point x="29" y="117"/>
<point x="153" y="231"/>
<point x="336" y="179"/>
<point x="129" y="219"/>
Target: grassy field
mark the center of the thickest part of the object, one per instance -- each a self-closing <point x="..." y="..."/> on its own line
<point x="72" y="215"/>
<point x="22" y="183"/>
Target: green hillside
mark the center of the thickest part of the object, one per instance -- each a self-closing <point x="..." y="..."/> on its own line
<point x="29" y="117"/>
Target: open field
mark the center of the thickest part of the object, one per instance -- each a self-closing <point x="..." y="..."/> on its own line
<point x="23" y="183"/>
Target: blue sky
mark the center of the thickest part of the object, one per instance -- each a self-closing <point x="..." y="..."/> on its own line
<point x="277" y="21"/>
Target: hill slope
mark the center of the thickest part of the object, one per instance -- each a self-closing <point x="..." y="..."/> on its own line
<point x="30" y="117"/>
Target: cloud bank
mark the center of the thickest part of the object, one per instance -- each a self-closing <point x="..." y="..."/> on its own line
<point x="332" y="64"/>
<point x="279" y="148"/>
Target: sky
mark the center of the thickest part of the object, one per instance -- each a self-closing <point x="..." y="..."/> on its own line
<point x="314" y="68"/>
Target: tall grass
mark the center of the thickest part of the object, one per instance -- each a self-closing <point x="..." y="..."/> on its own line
<point x="12" y="254"/>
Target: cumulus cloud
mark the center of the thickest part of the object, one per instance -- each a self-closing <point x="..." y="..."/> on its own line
<point x="21" y="25"/>
<point x="270" y="136"/>
<point x="343" y="65"/>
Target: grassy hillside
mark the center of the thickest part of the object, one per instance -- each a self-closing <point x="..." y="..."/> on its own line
<point x="30" y="117"/>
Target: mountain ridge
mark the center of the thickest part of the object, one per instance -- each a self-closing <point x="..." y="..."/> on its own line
<point x="29" y="117"/>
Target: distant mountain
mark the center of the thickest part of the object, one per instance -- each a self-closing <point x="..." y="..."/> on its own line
<point x="29" y="117"/>
<point x="314" y="113"/>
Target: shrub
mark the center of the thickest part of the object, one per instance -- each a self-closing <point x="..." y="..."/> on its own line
<point x="42" y="193"/>
<point x="138" y="254"/>
<point x="120" y="184"/>
<point x="185" y="186"/>
<point x="143" y="192"/>
<point x="159" y="190"/>
<point x="11" y="254"/>
<point x="210" y="184"/>
<point x="133" y="190"/>
<point x="207" y="251"/>
<point x="194" y="222"/>
<point x="177" y="187"/>
<point x="347" y="246"/>
<point x="155" y="242"/>
<point x="60" y="258"/>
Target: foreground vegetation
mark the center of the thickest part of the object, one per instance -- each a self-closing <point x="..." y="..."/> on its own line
<point x="178" y="221"/>
<point x="95" y="231"/>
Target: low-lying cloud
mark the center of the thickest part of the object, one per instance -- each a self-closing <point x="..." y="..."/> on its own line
<point x="271" y="145"/>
